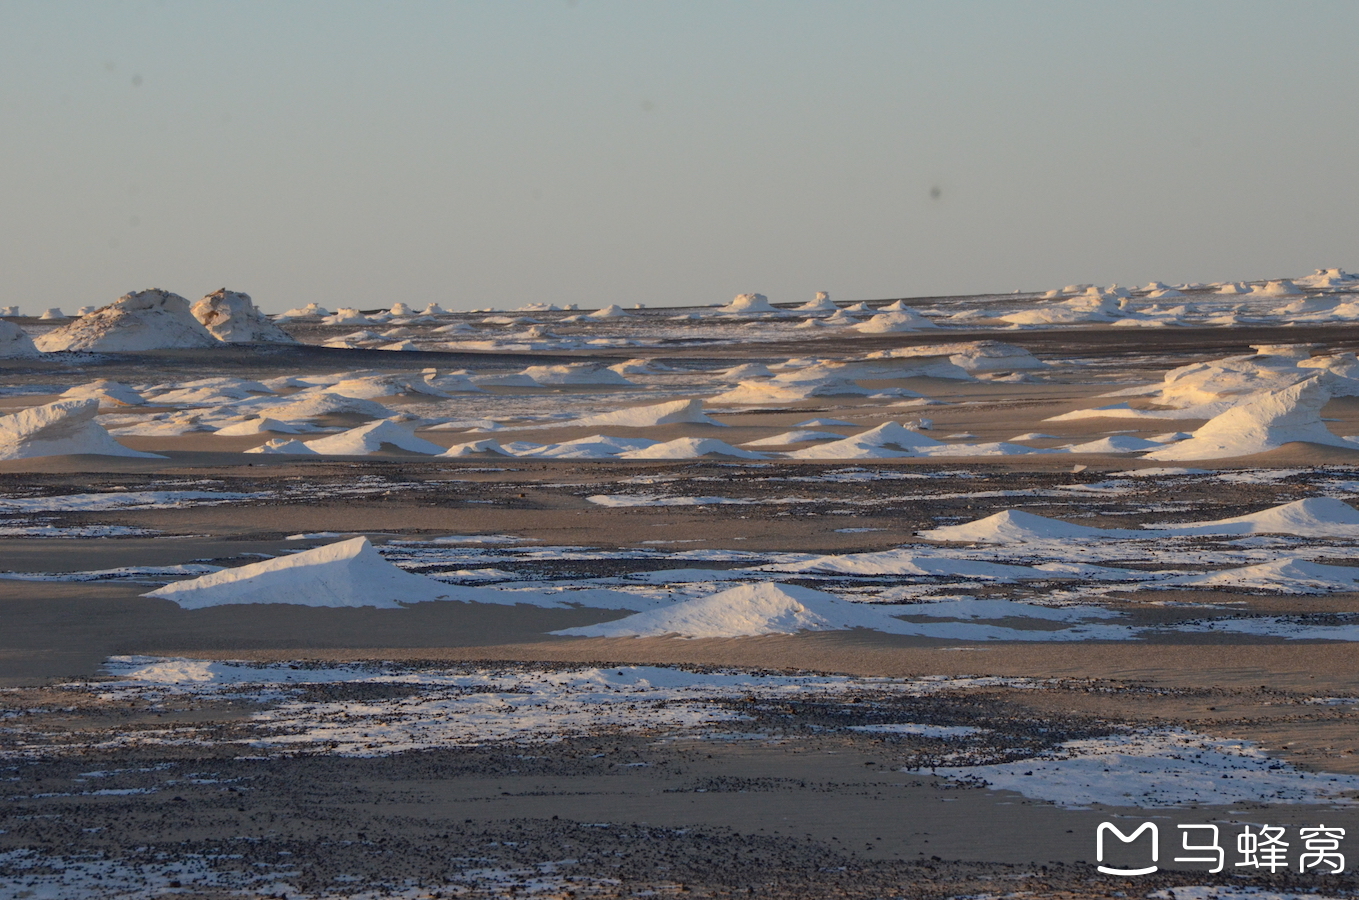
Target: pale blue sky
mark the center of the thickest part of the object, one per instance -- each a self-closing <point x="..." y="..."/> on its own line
<point x="502" y="153"/>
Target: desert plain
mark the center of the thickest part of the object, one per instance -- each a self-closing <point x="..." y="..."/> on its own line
<point x="885" y="599"/>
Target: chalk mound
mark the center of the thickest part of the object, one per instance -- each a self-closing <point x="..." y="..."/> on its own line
<point x="1314" y="517"/>
<point x="110" y="394"/>
<point x="483" y="447"/>
<point x="259" y="425"/>
<point x="751" y="304"/>
<point x="15" y="342"/>
<point x="58" y="429"/>
<point x="582" y="374"/>
<point x="691" y="448"/>
<point x="596" y="446"/>
<point x="745" y="371"/>
<point x="309" y="404"/>
<point x="1289" y="575"/>
<point x="747" y="610"/>
<point x="904" y="562"/>
<point x="672" y="413"/>
<point x="311" y="309"/>
<point x="1118" y="443"/>
<point x="347" y="315"/>
<point x="892" y="322"/>
<point x="350" y="573"/>
<point x="1280" y="288"/>
<point x="1015" y="526"/>
<point x="888" y="440"/>
<point x="142" y="320"/>
<point x="284" y="446"/>
<point x="374" y="437"/>
<point x="233" y="317"/>
<point x="1092" y="306"/>
<point x="822" y="303"/>
<point x="776" y="391"/>
<point x="972" y="356"/>
<point x="1326" y="278"/>
<point x="1264" y="423"/>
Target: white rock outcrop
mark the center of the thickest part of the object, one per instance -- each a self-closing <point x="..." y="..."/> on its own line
<point x="233" y="317"/>
<point x="142" y="320"/>
<point x="59" y="429"/>
<point x="1265" y="423"/>
<point x="15" y="342"/>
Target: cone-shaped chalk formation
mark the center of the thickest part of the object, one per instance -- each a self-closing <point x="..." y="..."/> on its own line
<point x="58" y="429"/>
<point x="142" y="320"/>
<point x="350" y="573"/>
<point x="747" y="610"/>
<point x="232" y="317"/>
<point x="1015" y="526"/>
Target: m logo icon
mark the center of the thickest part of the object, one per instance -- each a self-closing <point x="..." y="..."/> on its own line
<point x="1127" y="839"/>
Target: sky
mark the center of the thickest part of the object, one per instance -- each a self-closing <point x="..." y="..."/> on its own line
<point x="504" y="153"/>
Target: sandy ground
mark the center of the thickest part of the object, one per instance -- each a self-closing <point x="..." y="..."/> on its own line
<point x="803" y="811"/>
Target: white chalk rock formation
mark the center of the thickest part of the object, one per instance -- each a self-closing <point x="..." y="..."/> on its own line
<point x="350" y="573"/>
<point x="259" y="425"/>
<point x="691" y="448"/>
<point x="672" y="413"/>
<point x="141" y="320"/>
<point x="232" y="317"/>
<point x="889" y="440"/>
<point x="972" y="356"/>
<point x="1014" y="526"/>
<point x="822" y="303"/>
<point x="747" y="610"/>
<point x="892" y="322"/>
<point x="1323" y="517"/>
<point x="110" y="394"/>
<point x="15" y="342"/>
<point x="1265" y="423"/>
<point x="580" y="374"/>
<point x="311" y="309"/>
<point x="751" y="305"/>
<point x="58" y="429"/>
<point x="284" y="446"/>
<point x="1092" y="306"/>
<point x="373" y="438"/>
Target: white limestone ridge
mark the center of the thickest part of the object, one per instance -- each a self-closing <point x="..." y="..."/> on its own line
<point x="142" y="320"/>
<point x="59" y="429"/>
<point x="232" y="317"/>
<point x="348" y="574"/>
